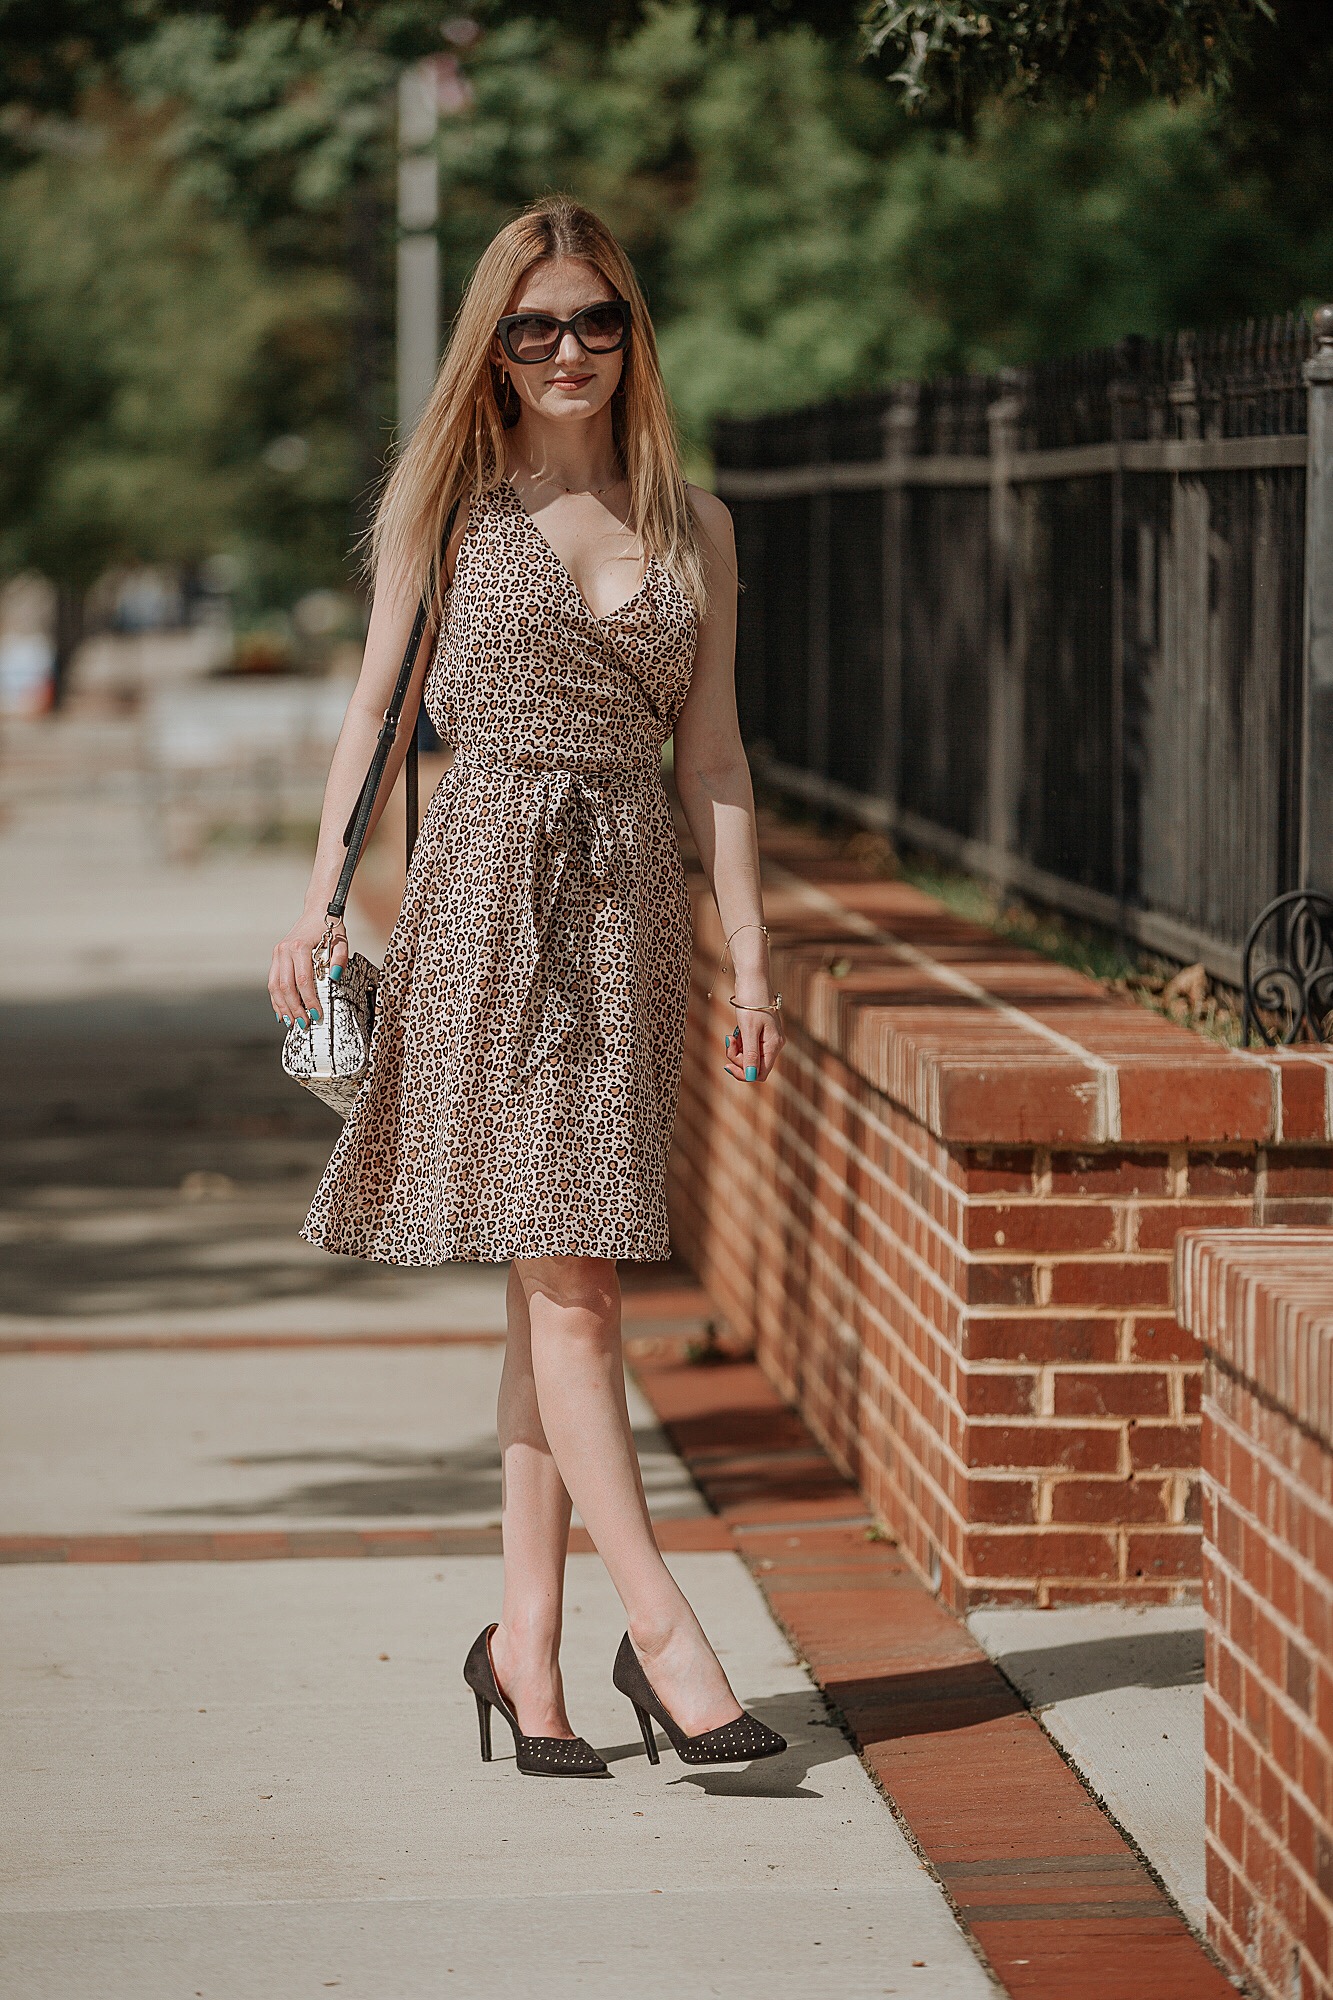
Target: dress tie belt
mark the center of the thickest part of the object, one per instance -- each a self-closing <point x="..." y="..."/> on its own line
<point x="571" y="830"/>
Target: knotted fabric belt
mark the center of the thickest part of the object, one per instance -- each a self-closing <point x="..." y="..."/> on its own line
<point x="570" y="831"/>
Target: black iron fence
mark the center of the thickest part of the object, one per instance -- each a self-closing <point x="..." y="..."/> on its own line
<point x="1052" y="624"/>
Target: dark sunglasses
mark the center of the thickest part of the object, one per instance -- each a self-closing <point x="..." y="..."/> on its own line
<point x="534" y="336"/>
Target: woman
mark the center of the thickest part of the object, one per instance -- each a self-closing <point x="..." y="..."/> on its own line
<point x="527" y="1047"/>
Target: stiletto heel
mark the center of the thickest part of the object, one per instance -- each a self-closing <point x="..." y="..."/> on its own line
<point x="649" y="1740"/>
<point x="484" y="1726"/>
<point x="535" y="1756"/>
<point x="738" y="1742"/>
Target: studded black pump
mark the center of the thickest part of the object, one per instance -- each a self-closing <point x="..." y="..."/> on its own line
<point x="534" y="1756"/>
<point x="739" y="1742"/>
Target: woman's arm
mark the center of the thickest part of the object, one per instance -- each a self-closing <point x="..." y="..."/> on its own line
<point x="291" y="980"/>
<point x="713" y="780"/>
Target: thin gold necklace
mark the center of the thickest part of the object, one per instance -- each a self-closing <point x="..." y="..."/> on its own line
<point x="584" y="492"/>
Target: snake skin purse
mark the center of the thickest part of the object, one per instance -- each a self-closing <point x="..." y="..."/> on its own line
<point x="331" y="1057"/>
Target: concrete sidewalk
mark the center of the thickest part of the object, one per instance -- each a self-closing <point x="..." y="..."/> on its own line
<point x="261" y="1779"/>
<point x="127" y="1443"/>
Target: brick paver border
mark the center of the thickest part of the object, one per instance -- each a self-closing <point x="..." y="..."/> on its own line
<point x="207" y="1343"/>
<point x="693" y="1532"/>
<point x="664" y="1315"/>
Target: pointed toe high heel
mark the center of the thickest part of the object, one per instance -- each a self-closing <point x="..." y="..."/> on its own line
<point x="534" y="1756"/>
<point x="738" y="1742"/>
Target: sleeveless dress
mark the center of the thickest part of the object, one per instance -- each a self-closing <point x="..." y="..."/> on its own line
<point x="526" y="1056"/>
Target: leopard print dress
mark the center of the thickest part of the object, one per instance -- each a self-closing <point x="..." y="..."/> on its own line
<point x="527" y="1050"/>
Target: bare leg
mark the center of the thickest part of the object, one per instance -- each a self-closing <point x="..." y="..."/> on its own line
<point x="525" y="1646"/>
<point x="579" y="1374"/>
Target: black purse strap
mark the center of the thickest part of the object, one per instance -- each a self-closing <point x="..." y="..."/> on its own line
<point x="354" y="833"/>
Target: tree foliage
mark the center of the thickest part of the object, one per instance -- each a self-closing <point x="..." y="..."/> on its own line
<point x="196" y="247"/>
<point x="1046" y="235"/>
<point x="52" y="51"/>
<point x="957" y="54"/>
<point x="109" y="445"/>
<point x="272" y="125"/>
<point x="802" y="236"/>
<point x="150" y="360"/>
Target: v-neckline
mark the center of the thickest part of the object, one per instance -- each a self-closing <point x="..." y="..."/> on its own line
<point x="597" y="617"/>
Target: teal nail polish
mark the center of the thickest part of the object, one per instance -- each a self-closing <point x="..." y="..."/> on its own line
<point x="315" y="1015"/>
<point x="335" y="974"/>
<point x="726" y="1043"/>
<point x="752" y="1073"/>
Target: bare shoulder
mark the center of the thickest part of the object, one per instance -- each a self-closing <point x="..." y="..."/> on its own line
<point x="713" y="515"/>
<point x="718" y="537"/>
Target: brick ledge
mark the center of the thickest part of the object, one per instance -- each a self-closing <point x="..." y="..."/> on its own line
<point x="1261" y="1302"/>
<point x="985" y="1042"/>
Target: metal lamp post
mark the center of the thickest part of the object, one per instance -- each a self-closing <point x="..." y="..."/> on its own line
<point x="418" y="248"/>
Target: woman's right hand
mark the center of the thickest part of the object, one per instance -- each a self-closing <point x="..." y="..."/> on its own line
<point x="291" y="978"/>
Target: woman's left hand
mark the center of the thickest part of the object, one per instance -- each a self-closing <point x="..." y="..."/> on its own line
<point x="754" y="1045"/>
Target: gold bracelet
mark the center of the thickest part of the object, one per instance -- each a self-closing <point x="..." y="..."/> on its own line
<point x="773" y="1005"/>
<point x="721" y="957"/>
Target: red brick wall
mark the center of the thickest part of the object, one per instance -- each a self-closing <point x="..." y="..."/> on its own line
<point x="1263" y="1306"/>
<point x="982" y="1336"/>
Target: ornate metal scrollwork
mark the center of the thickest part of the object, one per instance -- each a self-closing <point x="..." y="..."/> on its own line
<point x="1288" y="970"/>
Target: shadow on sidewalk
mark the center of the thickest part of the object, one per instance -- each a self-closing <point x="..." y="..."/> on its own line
<point x="1099" y="1666"/>
<point x="153" y="1157"/>
<point x="775" y="1777"/>
<point x="465" y="1479"/>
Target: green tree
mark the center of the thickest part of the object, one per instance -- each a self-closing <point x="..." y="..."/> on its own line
<point x="1265" y="67"/>
<point x="960" y="54"/>
<point x="286" y="127"/>
<point x="194" y="319"/>
<point x="126" y="326"/>
<point x="774" y="297"/>
<point x="1048" y="234"/>
<point x="150" y="360"/>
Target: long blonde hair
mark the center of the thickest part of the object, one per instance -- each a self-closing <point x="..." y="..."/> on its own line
<point x="457" y="449"/>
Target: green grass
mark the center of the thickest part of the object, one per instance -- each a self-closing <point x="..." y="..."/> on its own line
<point x="1114" y="963"/>
<point x="1082" y="946"/>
